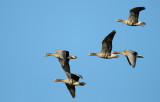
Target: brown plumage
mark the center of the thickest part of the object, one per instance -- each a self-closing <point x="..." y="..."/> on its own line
<point x="133" y="17"/>
<point x="71" y="82"/>
<point x="130" y="55"/>
<point x="63" y="57"/>
<point x="73" y="79"/>
<point x="106" y="47"/>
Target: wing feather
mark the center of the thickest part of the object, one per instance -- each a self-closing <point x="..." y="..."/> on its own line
<point x="107" y="42"/>
<point x="131" y="56"/>
<point x="134" y="13"/>
<point x="71" y="89"/>
<point x="64" y="61"/>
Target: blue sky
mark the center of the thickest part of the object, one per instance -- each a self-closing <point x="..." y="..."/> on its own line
<point x="31" y="28"/>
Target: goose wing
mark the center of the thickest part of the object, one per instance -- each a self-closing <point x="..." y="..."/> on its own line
<point x="107" y="43"/>
<point x="64" y="61"/>
<point x="131" y="57"/>
<point x="134" y="13"/>
<point x="66" y="68"/>
<point x="71" y="89"/>
<point x="76" y="76"/>
<point x="63" y="54"/>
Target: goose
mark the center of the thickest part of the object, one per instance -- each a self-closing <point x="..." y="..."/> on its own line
<point x="133" y="17"/>
<point x="71" y="82"/>
<point x="73" y="79"/>
<point x="58" y="54"/>
<point x="130" y="55"/>
<point x="106" y="47"/>
<point x="63" y="57"/>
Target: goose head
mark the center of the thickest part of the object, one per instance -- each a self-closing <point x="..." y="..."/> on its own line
<point x="119" y="20"/>
<point x="92" y="54"/>
<point x="58" y="80"/>
<point x="48" y="54"/>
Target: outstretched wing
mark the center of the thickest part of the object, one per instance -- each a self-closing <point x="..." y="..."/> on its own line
<point x="66" y="68"/>
<point x="63" y="59"/>
<point x="131" y="57"/>
<point x="107" y="43"/>
<point x="71" y="89"/>
<point x="134" y="13"/>
<point x="76" y="76"/>
<point x="63" y="54"/>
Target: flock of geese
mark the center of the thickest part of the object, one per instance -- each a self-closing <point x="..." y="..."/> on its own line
<point x="64" y="56"/>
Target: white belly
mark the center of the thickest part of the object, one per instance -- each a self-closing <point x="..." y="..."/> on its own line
<point x="71" y="82"/>
<point x="76" y="83"/>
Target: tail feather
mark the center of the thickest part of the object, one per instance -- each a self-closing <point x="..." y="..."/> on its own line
<point x="144" y="23"/>
<point x="82" y="83"/>
<point x="139" y="56"/>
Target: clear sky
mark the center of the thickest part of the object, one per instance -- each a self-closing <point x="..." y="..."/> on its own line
<point x="31" y="28"/>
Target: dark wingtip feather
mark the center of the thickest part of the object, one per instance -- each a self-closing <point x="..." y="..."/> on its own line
<point x="73" y="96"/>
<point x="82" y="83"/>
<point x="137" y="9"/>
<point x="114" y="31"/>
<point x="142" y="8"/>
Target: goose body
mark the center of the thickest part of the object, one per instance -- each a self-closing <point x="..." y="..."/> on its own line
<point x="60" y="54"/>
<point x="63" y="57"/>
<point x="130" y="55"/>
<point x="71" y="82"/>
<point x="106" y="47"/>
<point x="133" y="18"/>
<point x="104" y="55"/>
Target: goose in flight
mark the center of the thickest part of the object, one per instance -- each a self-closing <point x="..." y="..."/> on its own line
<point x="63" y="57"/>
<point x="71" y="82"/>
<point x="130" y="55"/>
<point x="133" y="17"/>
<point x="59" y="53"/>
<point x="106" y="47"/>
<point x="73" y="79"/>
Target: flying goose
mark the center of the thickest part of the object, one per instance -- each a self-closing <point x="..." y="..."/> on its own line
<point x="63" y="57"/>
<point x="71" y="82"/>
<point x="130" y="55"/>
<point x="58" y="54"/>
<point x="73" y="79"/>
<point x="133" y="17"/>
<point x="106" y="47"/>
